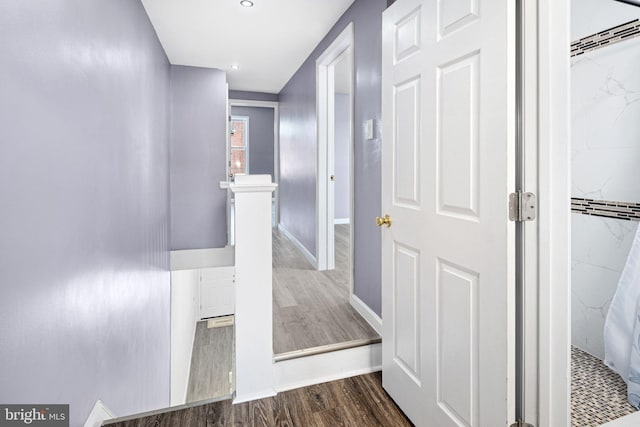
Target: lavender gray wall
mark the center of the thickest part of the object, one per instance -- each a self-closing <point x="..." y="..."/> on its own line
<point x="84" y="311"/>
<point x="298" y="147"/>
<point x="260" y="138"/>
<point x="342" y="156"/>
<point x="198" y="155"/>
<point x="253" y="96"/>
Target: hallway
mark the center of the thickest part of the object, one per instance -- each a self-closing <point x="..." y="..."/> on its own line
<point x="311" y="308"/>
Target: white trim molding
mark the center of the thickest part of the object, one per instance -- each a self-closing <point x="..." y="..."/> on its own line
<point x="320" y="368"/>
<point x="550" y="336"/>
<point x="98" y="415"/>
<point x="308" y="255"/>
<point x="367" y="314"/>
<point x="338" y="221"/>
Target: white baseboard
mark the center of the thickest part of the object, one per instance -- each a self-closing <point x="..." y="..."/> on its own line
<point x="321" y="368"/>
<point x="253" y="396"/>
<point x="308" y="255"/>
<point x="367" y="314"/>
<point x="98" y="415"/>
<point x="341" y="220"/>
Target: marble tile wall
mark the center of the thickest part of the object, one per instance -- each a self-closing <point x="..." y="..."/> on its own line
<point x="605" y="166"/>
<point x="599" y="248"/>
<point x="605" y="92"/>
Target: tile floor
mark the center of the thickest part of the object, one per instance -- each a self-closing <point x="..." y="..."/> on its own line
<point x="598" y="395"/>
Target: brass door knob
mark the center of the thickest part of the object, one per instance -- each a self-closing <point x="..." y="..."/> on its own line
<point x="385" y="220"/>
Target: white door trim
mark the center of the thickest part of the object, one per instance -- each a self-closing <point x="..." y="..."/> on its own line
<point x="549" y="254"/>
<point x="276" y="141"/>
<point x="324" y="109"/>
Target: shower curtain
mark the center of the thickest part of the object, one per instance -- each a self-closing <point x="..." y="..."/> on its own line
<point x="622" y="326"/>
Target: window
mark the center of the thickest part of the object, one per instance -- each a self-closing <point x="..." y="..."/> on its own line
<point x="239" y="155"/>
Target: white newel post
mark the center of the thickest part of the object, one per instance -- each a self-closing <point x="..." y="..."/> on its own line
<point x="253" y="313"/>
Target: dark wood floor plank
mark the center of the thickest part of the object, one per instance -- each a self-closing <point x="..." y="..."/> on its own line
<point x="335" y="417"/>
<point x="241" y="414"/>
<point x="297" y="406"/>
<point x="281" y="414"/>
<point x="323" y="397"/>
<point x="219" y="415"/>
<point x="370" y="404"/>
<point x="263" y="412"/>
<point x="354" y="402"/>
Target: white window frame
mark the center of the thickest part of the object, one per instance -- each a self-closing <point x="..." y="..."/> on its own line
<point x="245" y="120"/>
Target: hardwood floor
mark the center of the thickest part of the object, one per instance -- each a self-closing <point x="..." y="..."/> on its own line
<point x="211" y="361"/>
<point x="358" y="401"/>
<point x="311" y="308"/>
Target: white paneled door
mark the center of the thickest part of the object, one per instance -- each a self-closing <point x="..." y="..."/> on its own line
<point x="448" y="166"/>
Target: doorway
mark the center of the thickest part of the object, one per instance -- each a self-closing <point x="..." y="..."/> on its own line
<point x="605" y="201"/>
<point x="257" y="122"/>
<point x="313" y="296"/>
<point x="334" y="197"/>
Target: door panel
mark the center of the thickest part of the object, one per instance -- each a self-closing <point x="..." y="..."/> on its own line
<point x="407" y="35"/>
<point x="217" y="292"/>
<point x="407" y="326"/>
<point x="457" y="135"/>
<point x="455" y="14"/>
<point x="457" y="350"/>
<point x="447" y="159"/>
<point x="406" y="144"/>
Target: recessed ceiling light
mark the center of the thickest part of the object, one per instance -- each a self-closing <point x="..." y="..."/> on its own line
<point x="246" y="3"/>
<point x="235" y="67"/>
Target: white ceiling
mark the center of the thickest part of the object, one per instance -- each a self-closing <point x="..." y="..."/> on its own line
<point x="269" y="41"/>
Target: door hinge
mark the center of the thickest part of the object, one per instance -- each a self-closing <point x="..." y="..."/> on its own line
<point x="521" y="424"/>
<point x="522" y="206"/>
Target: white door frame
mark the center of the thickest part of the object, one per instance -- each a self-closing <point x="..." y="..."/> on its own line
<point x="276" y="140"/>
<point x="547" y="250"/>
<point x="325" y="245"/>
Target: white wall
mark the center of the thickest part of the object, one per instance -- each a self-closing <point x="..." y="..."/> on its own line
<point x="605" y="156"/>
